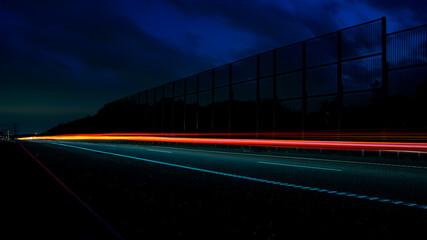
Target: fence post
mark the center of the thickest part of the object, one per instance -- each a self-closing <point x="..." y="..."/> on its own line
<point x="257" y="96"/>
<point x="304" y="90"/>
<point x="275" y="100"/>
<point x="339" y="83"/>
<point x="197" y="104"/>
<point x="185" y="105"/>
<point x="384" y="74"/>
<point x="212" y="99"/>
<point x="230" y="99"/>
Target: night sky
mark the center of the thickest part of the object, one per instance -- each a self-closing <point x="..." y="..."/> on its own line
<point x="63" y="60"/>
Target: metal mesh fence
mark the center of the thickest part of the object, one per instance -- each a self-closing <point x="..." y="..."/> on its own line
<point x="336" y="81"/>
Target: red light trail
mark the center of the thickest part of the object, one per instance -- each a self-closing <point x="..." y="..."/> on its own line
<point x="365" y="141"/>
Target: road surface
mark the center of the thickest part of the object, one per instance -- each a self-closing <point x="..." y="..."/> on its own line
<point x="181" y="192"/>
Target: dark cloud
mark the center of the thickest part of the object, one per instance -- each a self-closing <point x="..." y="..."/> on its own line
<point x="96" y="41"/>
<point x="417" y="7"/>
<point x="269" y="22"/>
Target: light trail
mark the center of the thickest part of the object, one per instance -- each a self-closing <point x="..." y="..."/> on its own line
<point x="350" y="135"/>
<point x="205" y="138"/>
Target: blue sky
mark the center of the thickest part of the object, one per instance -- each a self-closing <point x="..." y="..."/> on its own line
<point x="62" y="60"/>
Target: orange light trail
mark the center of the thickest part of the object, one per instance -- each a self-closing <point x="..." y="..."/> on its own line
<point x="414" y="144"/>
<point x="326" y="135"/>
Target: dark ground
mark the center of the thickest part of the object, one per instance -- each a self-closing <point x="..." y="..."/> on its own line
<point x="38" y="206"/>
<point x="144" y="201"/>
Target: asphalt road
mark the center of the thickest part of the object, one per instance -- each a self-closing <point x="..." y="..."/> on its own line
<point x="35" y="205"/>
<point x="181" y="192"/>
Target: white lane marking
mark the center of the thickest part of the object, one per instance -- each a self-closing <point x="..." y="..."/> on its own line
<point x="301" y="166"/>
<point x="154" y="150"/>
<point x="292" y="157"/>
<point x="290" y="185"/>
<point x="306" y="158"/>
